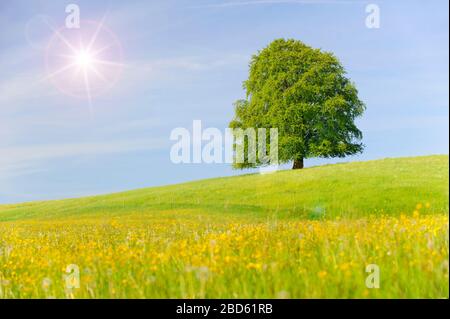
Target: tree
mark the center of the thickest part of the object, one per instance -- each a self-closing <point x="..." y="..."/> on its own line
<point x="304" y="92"/>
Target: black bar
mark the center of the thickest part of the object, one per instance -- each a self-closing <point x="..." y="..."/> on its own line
<point x="225" y="308"/>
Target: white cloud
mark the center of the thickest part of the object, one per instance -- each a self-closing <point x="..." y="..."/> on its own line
<point x="262" y="2"/>
<point x="198" y="62"/>
<point x="31" y="84"/>
<point x="400" y="123"/>
<point x="169" y="71"/>
<point x="20" y="160"/>
<point x="134" y="125"/>
<point x="24" y="86"/>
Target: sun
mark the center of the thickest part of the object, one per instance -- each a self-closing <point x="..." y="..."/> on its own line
<point x="84" y="62"/>
<point x="84" y="59"/>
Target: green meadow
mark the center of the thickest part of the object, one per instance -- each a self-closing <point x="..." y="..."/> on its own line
<point x="307" y="233"/>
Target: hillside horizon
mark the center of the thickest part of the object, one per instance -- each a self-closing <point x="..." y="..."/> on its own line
<point x="392" y="182"/>
<point x="282" y="169"/>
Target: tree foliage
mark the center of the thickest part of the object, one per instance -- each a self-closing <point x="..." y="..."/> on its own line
<point x="304" y="92"/>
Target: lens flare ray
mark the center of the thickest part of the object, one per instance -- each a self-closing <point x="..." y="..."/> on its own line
<point x="82" y="70"/>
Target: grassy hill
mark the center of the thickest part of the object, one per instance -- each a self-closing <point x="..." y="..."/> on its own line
<point x="308" y="233"/>
<point x="358" y="189"/>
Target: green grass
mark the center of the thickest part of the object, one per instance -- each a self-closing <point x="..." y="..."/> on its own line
<point x="359" y="189"/>
<point x="297" y="234"/>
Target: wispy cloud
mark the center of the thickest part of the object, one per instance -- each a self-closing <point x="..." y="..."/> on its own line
<point x="272" y="2"/>
<point x="169" y="71"/>
<point x="195" y="63"/>
<point x="400" y="123"/>
<point x="134" y="125"/>
<point x="32" y="84"/>
<point x="24" y="86"/>
<point x="20" y="160"/>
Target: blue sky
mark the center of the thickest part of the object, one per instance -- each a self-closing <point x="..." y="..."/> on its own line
<point x="186" y="60"/>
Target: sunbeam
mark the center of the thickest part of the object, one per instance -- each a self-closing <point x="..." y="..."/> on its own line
<point x="83" y="70"/>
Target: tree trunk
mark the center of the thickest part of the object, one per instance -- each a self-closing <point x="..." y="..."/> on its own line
<point x="298" y="163"/>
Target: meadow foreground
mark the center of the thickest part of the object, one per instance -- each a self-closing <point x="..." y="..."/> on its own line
<point x="302" y="234"/>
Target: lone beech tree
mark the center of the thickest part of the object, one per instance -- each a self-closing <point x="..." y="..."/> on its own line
<point x="304" y="92"/>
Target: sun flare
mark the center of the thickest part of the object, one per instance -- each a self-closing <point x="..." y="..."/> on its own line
<point x="84" y="62"/>
<point x="84" y="59"/>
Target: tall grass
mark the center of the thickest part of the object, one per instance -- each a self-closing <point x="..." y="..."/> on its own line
<point x="302" y="234"/>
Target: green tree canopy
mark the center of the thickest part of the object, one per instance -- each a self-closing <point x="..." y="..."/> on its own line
<point x="304" y="92"/>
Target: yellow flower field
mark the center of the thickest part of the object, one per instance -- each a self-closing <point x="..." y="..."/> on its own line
<point x="335" y="231"/>
<point x="195" y="257"/>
